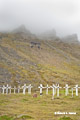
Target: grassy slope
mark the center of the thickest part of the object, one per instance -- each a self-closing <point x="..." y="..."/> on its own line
<point x="54" y="62"/>
<point x="40" y="108"/>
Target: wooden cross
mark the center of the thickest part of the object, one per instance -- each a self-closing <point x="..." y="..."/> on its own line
<point x="14" y="89"/>
<point x="58" y="90"/>
<point x="3" y="89"/>
<point x="53" y="88"/>
<point x="24" y="88"/>
<point x="7" y="88"/>
<point x="41" y="87"/>
<point x="19" y="89"/>
<point x="47" y="87"/>
<point x="76" y="87"/>
<point x="66" y="89"/>
<point x="29" y="89"/>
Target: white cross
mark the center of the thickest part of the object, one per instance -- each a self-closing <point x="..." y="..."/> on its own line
<point x="53" y="87"/>
<point x="7" y="88"/>
<point x="66" y="89"/>
<point x="76" y="87"/>
<point x="58" y="90"/>
<point x="3" y="88"/>
<point x="41" y="87"/>
<point x="47" y="89"/>
<point x="24" y="88"/>
<point x="14" y="89"/>
<point x="19" y="89"/>
<point x="29" y="89"/>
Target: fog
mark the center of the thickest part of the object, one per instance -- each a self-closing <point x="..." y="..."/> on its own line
<point x="41" y="15"/>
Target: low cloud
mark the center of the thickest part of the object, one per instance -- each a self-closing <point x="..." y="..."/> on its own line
<point x="41" y="15"/>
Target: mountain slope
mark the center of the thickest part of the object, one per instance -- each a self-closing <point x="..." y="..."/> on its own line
<point x="71" y="38"/>
<point x="30" y="60"/>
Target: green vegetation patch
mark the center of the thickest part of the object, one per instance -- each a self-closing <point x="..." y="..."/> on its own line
<point x="5" y="117"/>
<point x="65" y="118"/>
<point x="23" y="117"/>
<point x="24" y="100"/>
<point x="26" y="116"/>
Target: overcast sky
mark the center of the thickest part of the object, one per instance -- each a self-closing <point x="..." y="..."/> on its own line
<point x="41" y="15"/>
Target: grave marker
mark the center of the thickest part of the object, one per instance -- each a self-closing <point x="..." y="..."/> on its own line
<point x="3" y="89"/>
<point x="41" y="87"/>
<point x="7" y="88"/>
<point x="66" y="89"/>
<point x="58" y="90"/>
<point x="53" y="88"/>
<point x="14" y="89"/>
<point x="24" y="88"/>
<point x="47" y="87"/>
<point x="29" y="89"/>
<point x="19" y="89"/>
<point x="76" y="87"/>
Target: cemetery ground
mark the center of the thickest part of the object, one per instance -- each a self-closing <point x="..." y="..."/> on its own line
<point x="25" y="107"/>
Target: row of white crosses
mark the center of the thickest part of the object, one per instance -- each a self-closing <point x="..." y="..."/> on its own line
<point x="57" y="87"/>
<point x="8" y="88"/>
<point x="54" y="87"/>
<point x="67" y="91"/>
<point x="16" y="89"/>
<point x="25" y="87"/>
